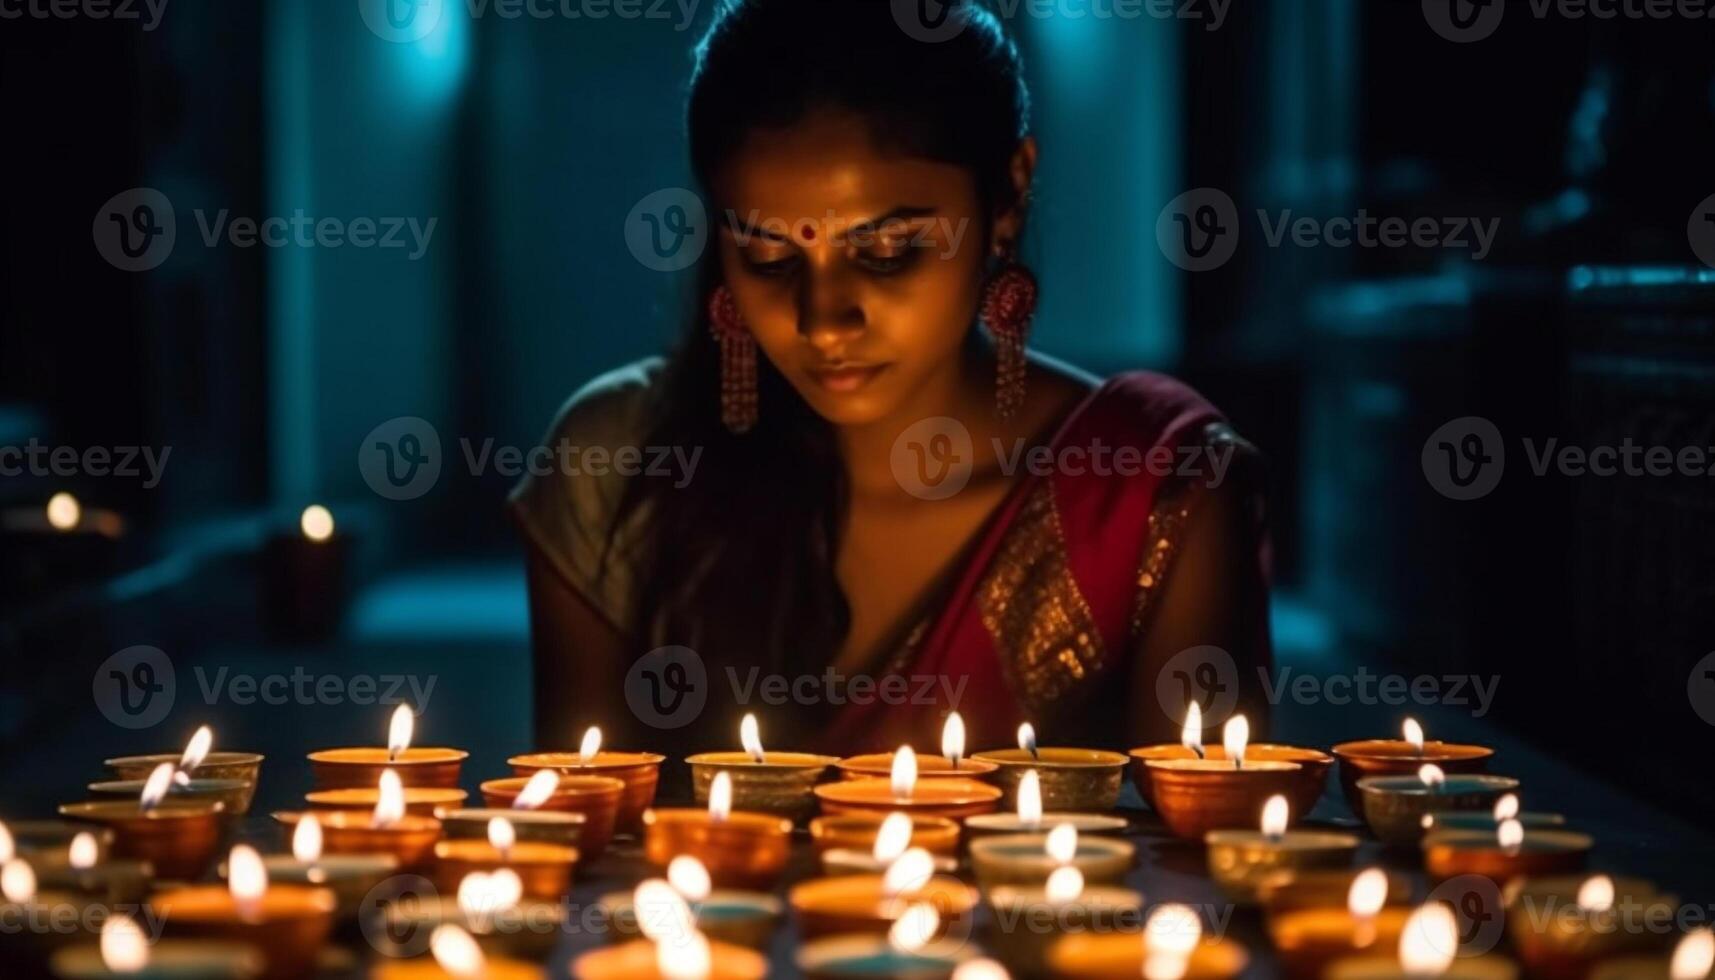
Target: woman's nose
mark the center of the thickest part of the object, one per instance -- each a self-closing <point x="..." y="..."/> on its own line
<point x="829" y="313"/>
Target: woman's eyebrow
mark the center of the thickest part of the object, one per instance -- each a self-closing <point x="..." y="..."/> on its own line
<point x="742" y="227"/>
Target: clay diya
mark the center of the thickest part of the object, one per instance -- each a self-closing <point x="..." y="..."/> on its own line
<point x="125" y="953"/>
<point x="870" y="904"/>
<point x="892" y="839"/>
<point x="1239" y="859"/>
<point x="349" y="876"/>
<point x="1395" y="807"/>
<point x="178" y="838"/>
<point x="951" y="798"/>
<point x="421" y="801"/>
<point x="694" y="956"/>
<point x="857" y="831"/>
<point x="743" y="918"/>
<point x="1072" y="780"/>
<point x="1307" y="939"/>
<point x="406" y="837"/>
<point x="740" y="850"/>
<point x="639" y="771"/>
<point x="1279" y="892"/>
<point x="778" y="783"/>
<point x="81" y="868"/>
<point x="198" y="762"/>
<point x="545" y="870"/>
<point x="491" y="907"/>
<point x="1313" y="764"/>
<point x="1403" y="757"/>
<point x="362" y="767"/>
<point x="909" y="950"/>
<point x="455" y="955"/>
<point x="1029" y="817"/>
<point x="1692" y="959"/>
<point x="1506" y="808"/>
<point x="596" y="797"/>
<point x="540" y="826"/>
<point x="1027" y="920"/>
<point x="1196" y="796"/>
<point x="1561" y="926"/>
<point x="1511" y="852"/>
<point x="1172" y="946"/>
<point x="1428" y="947"/>
<point x="1028" y="859"/>
<point x="289" y="924"/>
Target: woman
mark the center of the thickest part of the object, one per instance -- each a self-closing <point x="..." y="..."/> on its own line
<point x="861" y="312"/>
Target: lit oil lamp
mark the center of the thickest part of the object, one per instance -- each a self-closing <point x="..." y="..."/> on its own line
<point x="1172" y="947"/>
<point x="1308" y="939"/>
<point x="950" y="764"/>
<point x="909" y="949"/>
<point x="1028" y="859"/>
<point x="1027" y="920"/>
<point x="743" y="918"/>
<point x="29" y="916"/>
<point x="125" y="953"/>
<point x="1403" y="757"/>
<point x="79" y="867"/>
<point x="1283" y="892"/>
<point x="740" y="850"/>
<point x="454" y="954"/>
<point x="1313" y="763"/>
<point x="779" y="783"/>
<point x="950" y="797"/>
<point x="1396" y="807"/>
<point x="892" y="838"/>
<point x="542" y="826"/>
<point x="179" y="838"/>
<point x="387" y="829"/>
<point x="1428" y="947"/>
<point x="288" y="923"/>
<point x="639" y="771"/>
<point x="1510" y="852"/>
<point x="1195" y="796"/>
<point x="491" y="907"/>
<point x="348" y="876"/>
<point x="362" y="767"/>
<point x="597" y="798"/>
<point x="1072" y="780"/>
<point x="545" y="869"/>
<point x="197" y="762"/>
<point x="1561" y="926"/>
<point x="1238" y="859"/>
<point x="301" y="588"/>
<point x="1693" y="958"/>
<point x="673" y="949"/>
<point x="858" y="832"/>
<point x="35" y="838"/>
<point x="1505" y="808"/>
<point x="870" y="903"/>
<point x="57" y="544"/>
<point x="1029" y="817"/>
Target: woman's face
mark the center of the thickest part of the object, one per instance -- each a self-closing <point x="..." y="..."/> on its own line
<point x="858" y="272"/>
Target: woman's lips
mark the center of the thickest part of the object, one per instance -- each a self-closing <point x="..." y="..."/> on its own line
<point x="846" y="378"/>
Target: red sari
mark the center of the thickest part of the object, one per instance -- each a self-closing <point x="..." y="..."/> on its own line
<point x="1060" y="589"/>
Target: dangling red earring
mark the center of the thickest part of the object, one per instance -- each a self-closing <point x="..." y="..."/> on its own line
<point x="1008" y="304"/>
<point x="738" y="361"/>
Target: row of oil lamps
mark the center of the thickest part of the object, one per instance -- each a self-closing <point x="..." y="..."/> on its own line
<point x="1047" y="854"/>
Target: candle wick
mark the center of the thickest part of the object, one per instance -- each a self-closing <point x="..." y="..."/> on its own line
<point x="1199" y="750"/>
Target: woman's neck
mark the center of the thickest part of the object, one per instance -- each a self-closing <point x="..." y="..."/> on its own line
<point x="964" y="391"/>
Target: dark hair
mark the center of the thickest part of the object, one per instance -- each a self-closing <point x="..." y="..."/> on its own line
<point x="739" y="565"/>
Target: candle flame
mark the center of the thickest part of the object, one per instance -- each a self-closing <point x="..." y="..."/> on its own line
<point x="83" y="852"/>
<point x="502" y="835"/>
<point x="1064" y="884"/>
<point x="751" y="738"/>
<point x="1030" y="799"/>
<point x="17" y="881"/>
<point x="1027" y="739"/>
<point x="1275" y="816"/>
<point x="1506" y="807"/>
<point x="1368" y="893"/>
<point x="914" y="927"/>
<point x="1430" y="941"/>
<point x="689" y="878"/>
<point x="591" y="745"/>
<point x="687" y="957"/>
<point x="196" y="750"/>
<point x="8" y="847"/>
<point x="456" y="952"/>
<point x="399" y="731"/>
<point x="390" y="800"/>
<point x="537" y="789"/>
<point x="1596" y="894"/>
<point x="953" y="739"/>
<point x="1431" y="775"/>
<point x="662" y="913"/>
<point x="1235" y="735"/>
<point x="911" y="873"/>
<point x="246" y="875"/>
<point x="1062" y="843"/>
<point x="720" y="796"/>
<point x="1191" y="736"/>
<point x="124" y="948"/>
<point x="64" y="512"/>
<point x="156" y="786"/>
<point x="1414" y="735"/>
<point x="1165" y="966"/>
<point x="307" y="839"/>
<point x="981" y="969"/>
<point x="904" y="772"/>
<point x="1694" y="956"/>
<point x="482" y="895"/>
<point x="1172" y="931"/>
<point x="1510" y="834"/>
<point x="316" y="522"/>
<point x="893" y="838"/>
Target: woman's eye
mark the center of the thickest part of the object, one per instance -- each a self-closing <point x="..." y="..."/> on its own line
<point x="771" y="267"/>
<point x="887" y="260"/>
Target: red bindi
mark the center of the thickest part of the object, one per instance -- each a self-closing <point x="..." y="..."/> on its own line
<point x="808" y="232"/>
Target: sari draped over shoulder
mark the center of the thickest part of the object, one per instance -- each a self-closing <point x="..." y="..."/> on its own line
<point x="1043" y="619"/>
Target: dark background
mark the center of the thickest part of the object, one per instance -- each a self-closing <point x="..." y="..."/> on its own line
<point x="530" y="140"/>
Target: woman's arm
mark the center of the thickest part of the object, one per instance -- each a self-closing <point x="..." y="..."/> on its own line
<point x="580" y="663"/>
<point x="1215" y="594"/>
